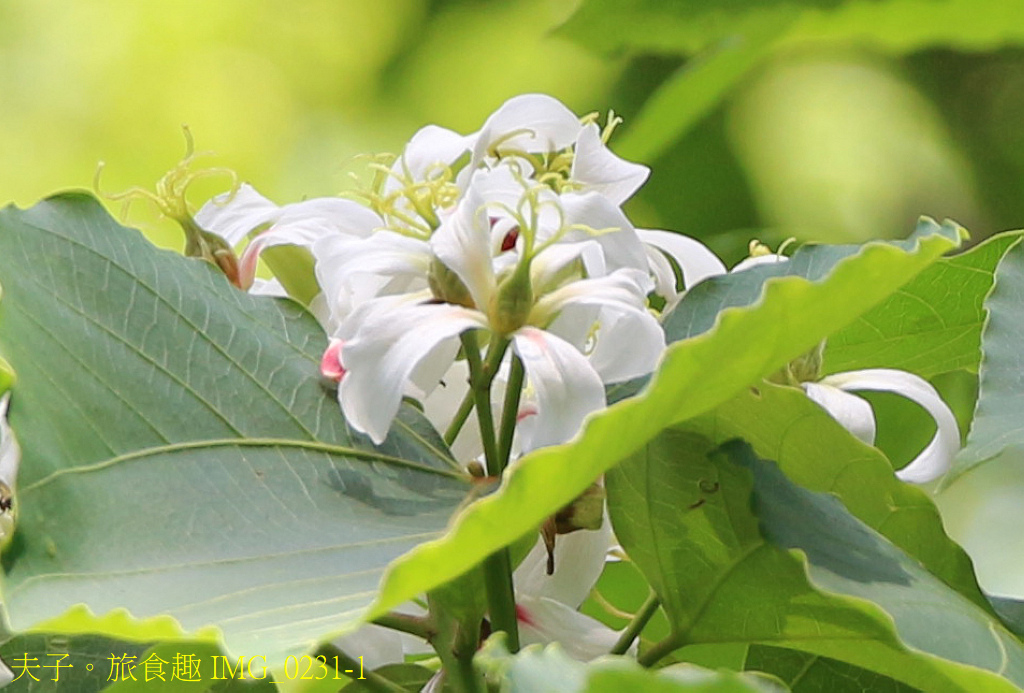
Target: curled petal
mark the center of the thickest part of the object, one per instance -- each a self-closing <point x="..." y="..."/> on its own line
<point x="388" y="344"/>
<point x="937" y="457"/>
<point x="601" y="171"/>
<point x="430" y="148"/>
<point x="10" y="451"/>
<point x="615" y="234"/>
<point x="566" y="386"/>
<point x="850" y="411"/>
<point x="695" y="260"/>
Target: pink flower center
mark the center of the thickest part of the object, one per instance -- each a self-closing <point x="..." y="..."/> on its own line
<point x="330" y="363"/>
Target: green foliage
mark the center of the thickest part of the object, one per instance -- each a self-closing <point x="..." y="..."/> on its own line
<point x="930" y="326"/>
<point x="707" y="525"/>
<point x="997" y="421"/>
<point x="180" y="455"/>
<point x="789" y="316"/>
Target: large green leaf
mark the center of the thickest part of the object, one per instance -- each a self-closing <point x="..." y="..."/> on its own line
<point x="814" y="451"/>
<point x="930" y="326"/>
<point x="998" y="424"/>
<point x="789" y="316"/>
<point x="717" y="546"/>
<point x="180" y="455"/>
<point x="807" y="673"/>
<point x="686" y="26"/>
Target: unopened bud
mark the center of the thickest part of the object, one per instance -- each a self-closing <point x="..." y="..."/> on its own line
<point x="446" y="285"/>
<point x="512" y="302"/>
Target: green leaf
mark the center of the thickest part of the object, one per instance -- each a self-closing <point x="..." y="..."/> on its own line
<point x="694" y="90"/>
<point x="808" y="673"/>
<point x="762" y="560"/>
<point x="79" y="663"/>
<point x="686" y="26"/>
<point x="550" y="670"/>
<point x="998" y="425"/>
<point x="813" y="450"/>
<point x="787" y="318"/>
<point x="930" y="326"/>
<point x="411" y="677"/>
<point x="180" y="455"/>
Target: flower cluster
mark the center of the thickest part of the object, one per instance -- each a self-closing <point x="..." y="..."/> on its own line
<point x="514" y="232"/>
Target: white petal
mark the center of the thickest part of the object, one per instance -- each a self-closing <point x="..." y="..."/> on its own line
<point x="749" y="262"/>
<point x="601" y="171"/>
<point x="463" y="244"/>
<point x="850" y="411"/>
<point x="10" y="452"/>
<point x="937" y="457"/>
<point x="268" y="287"/>
<point x="389" y="342"/>
<point x="579" y="561"/>
<point x="431" y="148"/>
<point x="695" y="259"/>
<point x="541" y="123"/>
<point x="622" y="247"/>
<point x="629" y="339"/>
<point x="545" y="620"/>
<point x="566" y="386"/>
<point x="234" y="216"/>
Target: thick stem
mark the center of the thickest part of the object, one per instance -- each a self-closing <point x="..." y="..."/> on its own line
<point x="497" y="567"/>
<point x="660" y="650"/>
<point x="510" y="409"/>
<point x="456" y="658"/>
<point x="636" y="625"/>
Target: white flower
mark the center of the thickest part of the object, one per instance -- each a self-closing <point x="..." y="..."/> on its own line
<point x="546" y="605"/>
<point x="856" y="416"/>
<point x="387" y="339"/>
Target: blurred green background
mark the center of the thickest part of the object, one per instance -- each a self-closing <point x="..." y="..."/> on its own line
<point x="829" y="120"/>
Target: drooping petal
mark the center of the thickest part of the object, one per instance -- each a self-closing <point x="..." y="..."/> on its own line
<point x="850" y="411"/>
<point x="695" y="260"/>
<point x="579" y="560"/>
<point x="546" y="620"/>
<point x="232" y="216"/>
<point x="938" y="455"/>
<point x="10" y="452"/>
<point x="601" y="171"/>
<point x="390" y="340"/>
<point x="566" y="386"/>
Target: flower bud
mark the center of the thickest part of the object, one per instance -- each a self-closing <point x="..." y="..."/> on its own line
<point x="446" y="285"/>
<point x="512" y="302"/>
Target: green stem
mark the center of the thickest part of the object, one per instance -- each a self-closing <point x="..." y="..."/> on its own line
<point x="637" y="624"/>
<point x="452" y="432"/>
<point x="456" y="657"/>
<point x="466" y="643"/>
<point x="660" y="650"/>
<point x="419" y="626"/>
<point x="510" y="409"/>
<point x="497" y="567"/>
<point x="371" y="680"/>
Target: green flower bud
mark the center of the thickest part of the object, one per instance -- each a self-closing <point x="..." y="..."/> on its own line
<point x="446" y="285"/>
<point x="512" y="302"/>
